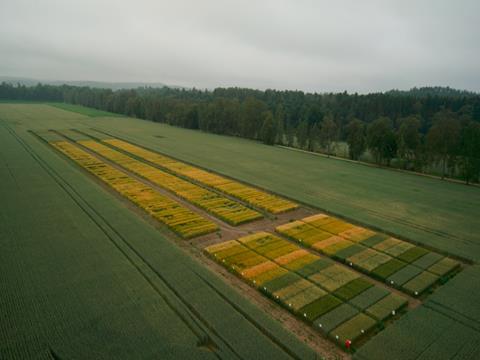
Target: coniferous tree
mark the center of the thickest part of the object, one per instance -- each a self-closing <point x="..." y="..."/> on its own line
<point x="328" y="132"/>
<point x="302" y="134"/>
<point x="443" y="138"/>
<point x="409" y="137"/>
<point x="268" y="131"/>
<point x="470" y="151"/>
<point x="313" y="137"/>
<point x="356" y="138"/>
<point x="381" y="140"/>
<point x="280" y="124"/>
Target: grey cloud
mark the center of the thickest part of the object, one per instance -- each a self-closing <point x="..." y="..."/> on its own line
<point x="311" y="45"/>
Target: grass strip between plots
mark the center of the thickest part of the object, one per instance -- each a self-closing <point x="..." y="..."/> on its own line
<point x="176" y="217"/>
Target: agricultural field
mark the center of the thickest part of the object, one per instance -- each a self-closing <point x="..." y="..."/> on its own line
<point x="230" y="211"/>
<point x="403" y="204"/>
<point x="114" y="227"/>
<point x="180" y="220"/>
<point x="413" y="269"/>
<point x="84" y="277"/>
<point x="252" y="196"/>
<point x="340" y="303"/>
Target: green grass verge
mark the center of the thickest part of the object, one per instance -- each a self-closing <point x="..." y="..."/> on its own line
<point x="79" y="109"/>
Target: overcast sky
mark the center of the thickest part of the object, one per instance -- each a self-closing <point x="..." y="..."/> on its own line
<point x="357" y="45"/>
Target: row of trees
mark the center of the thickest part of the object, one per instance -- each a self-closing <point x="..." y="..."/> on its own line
<point x="453" y="141"/>
<point x="419" y="129"/>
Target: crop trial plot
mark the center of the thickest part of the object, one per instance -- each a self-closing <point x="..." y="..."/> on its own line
<point x="340" y="303"/>
<point x="179" y="219"/>
<point x="228" y="210"/>
<point x="255" y="197"/>
<point x="411" y="268"/>
<point x="337" y="301"/>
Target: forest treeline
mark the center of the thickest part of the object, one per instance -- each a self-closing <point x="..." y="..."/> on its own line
<point x="416" y="130"/>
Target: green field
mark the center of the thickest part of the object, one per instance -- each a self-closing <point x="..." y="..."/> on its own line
<point x="74" y="258"/>
<point x="82" y="277"/>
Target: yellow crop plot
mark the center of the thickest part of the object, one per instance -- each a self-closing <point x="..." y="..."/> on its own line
<point x="228" y="210"/>
<point x="179" y="219"/>
<point x="250" y="195"/>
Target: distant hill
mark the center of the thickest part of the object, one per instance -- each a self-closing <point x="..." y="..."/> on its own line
<point x="92" y="84"/>
<point x="420" y="92"/>
<point x="433" y="91"/>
